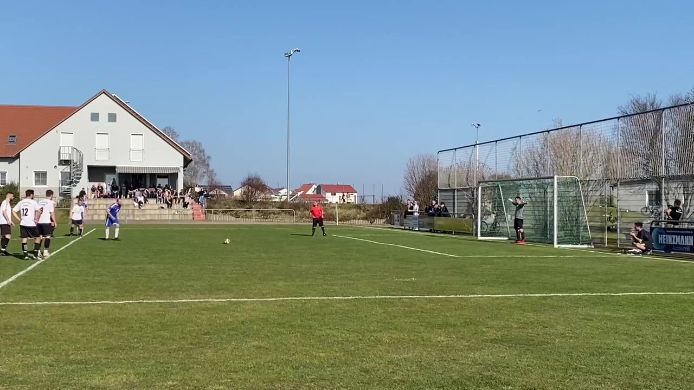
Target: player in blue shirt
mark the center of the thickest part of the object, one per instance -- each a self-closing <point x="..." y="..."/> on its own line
<point x="112" y="218"/>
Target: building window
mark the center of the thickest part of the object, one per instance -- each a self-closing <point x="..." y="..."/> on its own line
<point x="95" y="116"/>
<point x="137" y="147"/>
<point x="12" y="139"/>
<point x="102" y="151"/>
<point x="3" y="179"/>
<point x="653" y="198"/>
<point x="40" y="178"/>
<point x="111" y="116"/>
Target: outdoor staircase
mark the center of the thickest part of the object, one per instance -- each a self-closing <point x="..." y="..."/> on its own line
<point x="72" y="158"/>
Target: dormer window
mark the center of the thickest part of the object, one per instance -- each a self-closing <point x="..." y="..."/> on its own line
<point x="12" y="139"/>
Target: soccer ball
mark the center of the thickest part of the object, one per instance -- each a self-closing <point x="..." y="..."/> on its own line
<point x="227" y="241"/>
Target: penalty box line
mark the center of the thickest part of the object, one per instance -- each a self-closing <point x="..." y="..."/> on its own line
<point x="459" y="256"/>
<point x="38" y="262"/>
<point x="349" y="298"/>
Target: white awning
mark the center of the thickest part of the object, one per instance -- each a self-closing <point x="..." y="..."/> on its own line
<point x="135" y="169"/>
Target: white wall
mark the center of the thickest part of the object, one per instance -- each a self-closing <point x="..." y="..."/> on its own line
<point x="337" y="198"/>
<point x="11" y="166"/>
<point x="43" y="154"/>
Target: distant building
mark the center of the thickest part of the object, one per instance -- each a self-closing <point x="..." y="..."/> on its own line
<point x="66" y="149"/>
<point x="327" y="193"/>
<point x="338" y="193"/>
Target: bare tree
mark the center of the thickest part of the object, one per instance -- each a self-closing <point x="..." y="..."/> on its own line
<point x="420" y="180"/>
<point x="253" y="188"/>
<point x="679" y="153"/>
<point x="660" y="146"/>
<point x="200" y="170"/>
<point x="171" y="132"/>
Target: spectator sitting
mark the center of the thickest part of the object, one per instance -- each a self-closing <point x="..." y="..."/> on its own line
<point x="641" y="239"/>
<point x="431" y="209"/>
<point x="443" y="211"/>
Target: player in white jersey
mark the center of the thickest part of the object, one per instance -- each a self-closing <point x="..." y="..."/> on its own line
<point x="6" y="223"/>
<point x="77" y="216"/>
<point x="29" y="212"/>
<point x="47" y="222"/>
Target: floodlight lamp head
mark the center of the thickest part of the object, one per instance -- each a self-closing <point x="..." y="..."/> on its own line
<point x="291" y="52"/>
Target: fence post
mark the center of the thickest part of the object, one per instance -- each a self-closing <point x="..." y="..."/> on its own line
<point x="605" y="199"/>
<point x="496" y="160"/>
<point x="619" y="173"/>
<point x="580" y="152"/>
<point x="547" y="156"/>
<point x="455" y="182"/>
<point x="662" y="158"/>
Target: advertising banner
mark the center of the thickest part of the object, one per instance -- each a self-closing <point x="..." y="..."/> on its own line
<point x="673" y="239"/>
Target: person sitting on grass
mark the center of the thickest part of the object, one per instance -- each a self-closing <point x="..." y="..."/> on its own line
<point x="641" y="239"/>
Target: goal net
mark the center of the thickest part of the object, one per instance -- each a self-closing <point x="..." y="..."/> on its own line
<point x="555" y="212"/>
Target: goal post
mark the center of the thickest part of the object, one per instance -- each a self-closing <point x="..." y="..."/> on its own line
<point x="492" y="220"/>
<point x="555" y="212"/>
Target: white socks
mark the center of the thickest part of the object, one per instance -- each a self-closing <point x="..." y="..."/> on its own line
<point x="115" y="233"/>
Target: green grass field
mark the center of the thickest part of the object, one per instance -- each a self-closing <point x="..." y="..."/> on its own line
<point x="172" y="307"/>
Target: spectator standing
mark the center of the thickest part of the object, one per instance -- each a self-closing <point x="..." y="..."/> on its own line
<point x="675" y="212"/>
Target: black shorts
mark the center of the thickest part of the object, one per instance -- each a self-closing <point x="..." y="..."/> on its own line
<point x="517" y="224"/>
<point x="77" y="222"/>
<point x="317" y="222"/>
<point x="28" y="232"/>
<point x="5" y="230"/>
<point x="45" y="229"/>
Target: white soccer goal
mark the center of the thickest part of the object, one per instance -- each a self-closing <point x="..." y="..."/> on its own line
<point x="555" y="214"/>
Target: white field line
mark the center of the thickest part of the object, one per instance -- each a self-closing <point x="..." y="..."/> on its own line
<point x="461" y="256"/>
<point x="350" y="298"/>
<point x="37" y="263"/>
<point x="396" y="245"/>
<point x="602" y="253"/>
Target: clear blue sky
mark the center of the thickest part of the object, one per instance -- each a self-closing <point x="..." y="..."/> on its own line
<point x="376" y="81"/>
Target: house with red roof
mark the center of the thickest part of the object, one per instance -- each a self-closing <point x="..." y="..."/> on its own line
<point x="338" y="193"/>
<point x="68" y="148"/>
<point x="327" y="193"/>
<point x="307" y="193"/>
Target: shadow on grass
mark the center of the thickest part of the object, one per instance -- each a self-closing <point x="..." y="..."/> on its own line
<point x="301" y="234"/>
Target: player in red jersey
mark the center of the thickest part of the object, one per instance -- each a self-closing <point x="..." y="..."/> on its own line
<point x="317" y="215"/>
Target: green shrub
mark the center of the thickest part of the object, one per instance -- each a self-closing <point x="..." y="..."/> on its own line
<point x="10" y="187"/>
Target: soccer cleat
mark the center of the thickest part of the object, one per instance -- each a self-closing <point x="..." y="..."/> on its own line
<point x="3" y="253"/>
<point x="324" y="234"/>
<point x="29" y="256"/>
<point x="46" y="254"/>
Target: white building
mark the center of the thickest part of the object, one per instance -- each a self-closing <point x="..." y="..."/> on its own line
<point x="338" y="193"/>
<point x="67" y="149"/>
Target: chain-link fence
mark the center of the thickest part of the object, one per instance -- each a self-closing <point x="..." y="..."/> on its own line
<point x="632" y="167"/>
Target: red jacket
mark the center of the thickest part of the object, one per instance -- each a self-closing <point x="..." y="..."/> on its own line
<point x="316" y="211"/>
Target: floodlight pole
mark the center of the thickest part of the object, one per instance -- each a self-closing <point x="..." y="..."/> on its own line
<point x="289" y="55"/>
